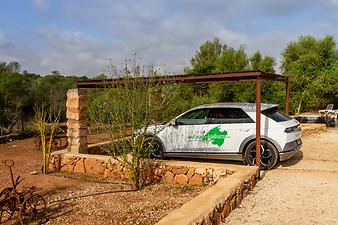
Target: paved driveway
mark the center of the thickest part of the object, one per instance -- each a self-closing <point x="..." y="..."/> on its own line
<point x="303" y="190"/>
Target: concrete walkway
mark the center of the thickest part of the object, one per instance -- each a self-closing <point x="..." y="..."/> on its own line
<point x="303" y="190"/>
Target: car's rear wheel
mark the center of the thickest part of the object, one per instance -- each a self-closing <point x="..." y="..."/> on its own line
<point x="269" y="154"/>
<point x="153" y="147"/>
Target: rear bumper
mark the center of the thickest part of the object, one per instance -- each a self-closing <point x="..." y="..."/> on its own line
<point x="290" y="149"/>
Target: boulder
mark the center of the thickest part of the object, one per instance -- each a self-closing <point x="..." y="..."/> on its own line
<point x="197" y="179"/>
<point x="181" y="179"/>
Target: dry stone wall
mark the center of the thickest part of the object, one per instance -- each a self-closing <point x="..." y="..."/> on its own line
<point x="156" y="170"/>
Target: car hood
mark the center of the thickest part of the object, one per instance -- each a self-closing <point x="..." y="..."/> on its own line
<point x="153" y="129"/>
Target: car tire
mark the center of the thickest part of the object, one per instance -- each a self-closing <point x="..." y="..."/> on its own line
<point x="154" y="148"/>
<point x="269" y="154"/>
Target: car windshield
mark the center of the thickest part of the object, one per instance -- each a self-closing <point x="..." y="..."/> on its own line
<point x="275" y="115"/>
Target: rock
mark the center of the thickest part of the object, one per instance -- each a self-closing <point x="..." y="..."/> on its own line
<point x="107" y="173"/>
<point x="233" y="202"/>
<point x="218" y="174"/>
<point x="52" y="167"/>
<point x="239" y="199"/>
<point x="191" y="172"/>
<point x="229" y="172"/>
<point x="119" y="168"/>
<point x="210" y="173"/>
<point x="94" y="167"/>
<point x="64" y="168"/>
<point x="178" y="171"/>
<point x="169" y="177"/>
<point x="33" y="173"/>
<point x="109" y="165"/>
<point x="123" y="176"/>
<point x="69" y="161"/>
<point x="197" y="179"/>
<point x="201" y="171"/>
<point x="226" y="209"/>
<point x="181" y="179"/>
<point x="158" y="172"/>
<point x="79" y="167"/>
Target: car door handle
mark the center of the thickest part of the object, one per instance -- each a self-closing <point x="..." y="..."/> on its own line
<point x="244" y="130"/>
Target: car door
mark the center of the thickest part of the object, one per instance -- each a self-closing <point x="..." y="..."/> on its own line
<point x="229" y="128"/>
<point x="185" y="137"/>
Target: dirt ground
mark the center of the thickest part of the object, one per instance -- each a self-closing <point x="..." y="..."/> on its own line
<point x="303" y="190"/>
<point x="88" y="200"/>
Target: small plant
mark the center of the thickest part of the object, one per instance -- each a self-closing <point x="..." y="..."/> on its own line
<point x="46" y="123"/>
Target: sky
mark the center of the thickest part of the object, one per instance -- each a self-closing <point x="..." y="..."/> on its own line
<point x="86" y="37"/>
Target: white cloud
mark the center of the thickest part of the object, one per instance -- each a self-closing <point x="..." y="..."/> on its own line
<point x="71" y="52"/>
<point x="164" y="33"/>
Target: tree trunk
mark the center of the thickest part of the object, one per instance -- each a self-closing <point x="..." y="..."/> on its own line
<point x="11" y="127"/>
<point x="22" y="126"/>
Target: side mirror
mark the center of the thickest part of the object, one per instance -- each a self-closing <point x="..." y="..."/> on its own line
<point x="173" y="123"/>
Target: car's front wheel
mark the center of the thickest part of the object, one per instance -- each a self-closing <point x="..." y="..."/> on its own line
<point x="269" y="154"/>
<point x="153" y="147"/>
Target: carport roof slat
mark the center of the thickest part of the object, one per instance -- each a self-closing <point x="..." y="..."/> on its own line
<point x="190" y="78"/>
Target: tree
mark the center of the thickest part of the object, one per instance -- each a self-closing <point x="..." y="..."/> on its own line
<point x="101" y="77"/>
<point x="51" y="90"/>
<point x="214" y="56"/>
<point x="19" y="92"/>
<point x="266" y="64"/>
<point x="3" y="119"/>
<point x="231" y="60"/>
<point x="14" y="89"/>
<point x="13" y="67"/>
<point x="205" y="58"/>
<point x="311" y="65"/>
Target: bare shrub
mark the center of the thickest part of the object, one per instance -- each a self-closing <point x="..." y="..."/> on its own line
<point x="46" y="123"/>
<point x="126" y="109"/>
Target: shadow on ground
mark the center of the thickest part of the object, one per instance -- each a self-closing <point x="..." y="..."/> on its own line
<point x="293" y="161"/>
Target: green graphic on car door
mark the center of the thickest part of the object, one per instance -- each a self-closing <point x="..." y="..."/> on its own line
<point x="215" y="135"/>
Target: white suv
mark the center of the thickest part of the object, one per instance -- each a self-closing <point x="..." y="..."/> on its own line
<point x="227" y="131"/>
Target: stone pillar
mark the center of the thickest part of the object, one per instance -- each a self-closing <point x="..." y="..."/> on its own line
<point x="77" y="129"/>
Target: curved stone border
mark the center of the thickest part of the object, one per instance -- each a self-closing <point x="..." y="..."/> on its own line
<point x="214" y="204"/>
<point x="171" y="172"/>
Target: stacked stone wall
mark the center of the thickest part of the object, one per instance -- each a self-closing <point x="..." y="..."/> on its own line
<point x="77" y="130"/>
<point x="156" y="170"/>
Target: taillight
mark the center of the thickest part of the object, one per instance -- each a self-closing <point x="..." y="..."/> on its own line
<point x="292" y="129"/>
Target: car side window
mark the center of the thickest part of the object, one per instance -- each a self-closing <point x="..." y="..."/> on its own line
<point x="228" y="115"/>
<point x="194" y="117"/>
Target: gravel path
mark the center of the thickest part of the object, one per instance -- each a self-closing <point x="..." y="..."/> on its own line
<point x="303" y="190"/>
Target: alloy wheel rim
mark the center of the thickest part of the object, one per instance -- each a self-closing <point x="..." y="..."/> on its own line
<point x="266" y="156"/>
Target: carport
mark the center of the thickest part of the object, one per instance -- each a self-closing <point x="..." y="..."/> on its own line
<point x="77" y="99"/>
